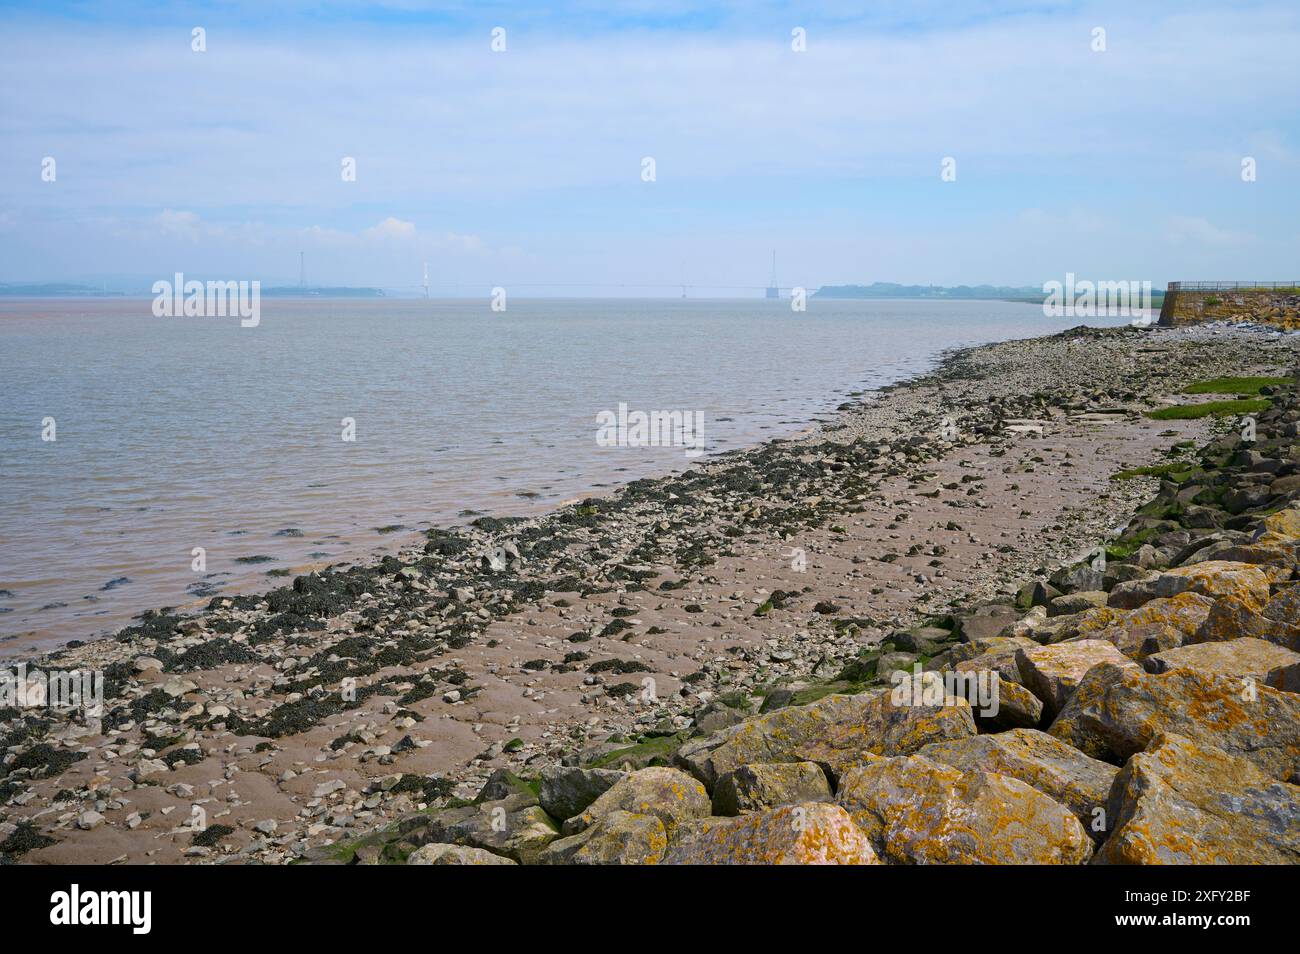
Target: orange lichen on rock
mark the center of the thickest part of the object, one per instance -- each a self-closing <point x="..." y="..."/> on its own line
<point x="1186" y="802"/>
<point x="919" y="811"/>
<point x="1116" y="711"/>
<point x="813" y="833"/>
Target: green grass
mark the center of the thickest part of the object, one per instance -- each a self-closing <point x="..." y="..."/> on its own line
<point x="654" y="751"/>
<point x="1233" y="385"/>
<point x="1192" y="412"/>
<point x="1178" y="471"/>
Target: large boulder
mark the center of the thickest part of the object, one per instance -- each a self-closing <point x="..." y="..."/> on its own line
<point x="1282" y="527"/>
<point x="1015" y="707"/>
<point x="990" y="653"/>
<point x="836" y="731"/>
<point x="515" y="827"/>
<point x="1159" y="624"/>
<point x="1246" y="553"/>
<point x="999" y="656"/>
<point x="1185" y="802"/>
<point x="997" y="701"/>
<point x="1081" y="602"/>
<point x="1284" y="607"/>
<point x="816" y="833"/>
<point x="986" y="622"/>
<point x="1286" y="678"/>
<point x="1247" y="656"/>
<point x="1058" y="770"/>
<point x="756" y="788"/>
<point x="615" y="838"/>
<point x="455" y="855"/>
<point x="566" y="790"/>
<point x="671" y="796"/>
<point x="1117" y="710"/>
<point x="1052" y="672"/>
<point x="919" y="811"/>
<point x="1230" y="618"/>
<point x="1213" y="578"/>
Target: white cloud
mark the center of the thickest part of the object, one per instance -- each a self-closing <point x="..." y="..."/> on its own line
<point x="1193" y="229"/>
<point x="389" y="229"/>
<point x="178" y="224"/>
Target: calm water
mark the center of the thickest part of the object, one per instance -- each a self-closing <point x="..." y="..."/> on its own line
<point x="176" y="433"/>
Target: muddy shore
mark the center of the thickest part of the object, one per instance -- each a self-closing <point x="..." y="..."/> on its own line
<point x="269" y="727"/>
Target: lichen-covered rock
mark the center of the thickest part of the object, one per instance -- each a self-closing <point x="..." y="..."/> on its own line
<point x="1000" y="658"/>
<point x="1052" y="672"/>
<point x="615" y="838"/>
<point x="455" y="855"/>
<point x="1086" y="624"/>
<point x="756" y="788"/>
<point x="1285" y="678"/>
<point x="1284" y="607"/>
<point x="1246" y="553"/>
<point x="566" y="790"/>
<point x="836" y="732"/>
<point x="1159" y="624"/>
<point x="1230" y="618"/>
<point x="671" y="796"/>
<point x="1071" y="603"/>
<point x="1213" y="578"/>
<point x="1282" y="527"/>
<point x="1247" y="656"/>
<point x="515" y="827"/>
<point x="1058" y="770"/>
<point x="1116" y="711"/>
<point x="1185" y="802"/>
<point x="816" y="833"/>
<point x="989" y="653"/>
<point x="997" y="702"/>
<point x="1016" y="708"/>
<point x="919" y="811"/>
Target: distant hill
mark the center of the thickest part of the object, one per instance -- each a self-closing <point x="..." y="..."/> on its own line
<point x="53" y="290"/>
<point x="299" y="291"/>
<point x="893" y="290"/>
<point x="73" y="290"/>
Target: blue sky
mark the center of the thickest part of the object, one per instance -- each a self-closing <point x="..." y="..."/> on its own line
<point x="524" y="166"/>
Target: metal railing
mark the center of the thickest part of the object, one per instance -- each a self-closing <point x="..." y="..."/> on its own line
<point x="1234" y="286"/>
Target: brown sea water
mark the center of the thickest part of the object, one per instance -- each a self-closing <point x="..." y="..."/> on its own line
<point x="177" y="433"/>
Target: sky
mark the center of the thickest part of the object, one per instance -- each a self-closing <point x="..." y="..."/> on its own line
<point x="526" y="167"/>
